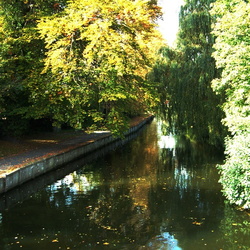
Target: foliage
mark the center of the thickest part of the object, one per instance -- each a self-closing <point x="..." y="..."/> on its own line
<point x="165" y="75"/>
<point x="235" y="227"/>
<point x="198" y="111"/>
<point x="76" y="62"/>
<point x="98" y="54"/>
<point x="185" y="74"/>
<point x="235" y="174"/>
<point x="232" y="55"/>
<point x="21" y="52"/>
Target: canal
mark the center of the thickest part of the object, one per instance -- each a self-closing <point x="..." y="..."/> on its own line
<point x="155" y="192"/>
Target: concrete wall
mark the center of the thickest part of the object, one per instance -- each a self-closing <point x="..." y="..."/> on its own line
<point x="29" y="172"/>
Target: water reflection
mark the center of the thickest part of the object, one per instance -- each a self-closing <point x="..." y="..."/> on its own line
<point x="142" y="196"/>
<point x="76" y="183"/>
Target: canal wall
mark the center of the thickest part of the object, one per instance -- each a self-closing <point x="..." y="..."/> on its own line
<point x="37" y="168"/>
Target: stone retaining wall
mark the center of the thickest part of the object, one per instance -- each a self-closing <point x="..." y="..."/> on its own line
<point x="33" y="170"/>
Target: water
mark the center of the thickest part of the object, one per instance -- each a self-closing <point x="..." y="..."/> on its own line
<point x="155" y="192"/>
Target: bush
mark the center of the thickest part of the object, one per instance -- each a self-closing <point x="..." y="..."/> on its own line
<point x="235" y="173"/>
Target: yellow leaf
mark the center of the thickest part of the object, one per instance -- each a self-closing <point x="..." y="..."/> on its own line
<point x="197" y="223"/>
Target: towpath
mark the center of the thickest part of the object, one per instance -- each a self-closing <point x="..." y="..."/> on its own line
<point x="12" y="163"/>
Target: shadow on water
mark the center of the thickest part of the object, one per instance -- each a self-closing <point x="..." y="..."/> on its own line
<point x="155" y="192"/>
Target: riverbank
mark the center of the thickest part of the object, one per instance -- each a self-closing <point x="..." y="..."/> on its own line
<point x="20" y="168"/>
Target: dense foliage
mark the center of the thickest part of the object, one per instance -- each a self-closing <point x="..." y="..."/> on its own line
<point x="21" y="55"/>
<point x="79" y="63"/>
<point x="232" y="31"/>
<point x="186" y="73"/>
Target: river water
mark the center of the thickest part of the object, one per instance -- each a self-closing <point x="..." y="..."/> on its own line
<point x="155" y="192"/>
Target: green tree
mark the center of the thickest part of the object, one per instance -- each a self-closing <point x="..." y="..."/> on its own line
<point x="191" y="105"/>
<point x="232" y="54"/>
<point x="85" y="64"/>
<point x="198" y="112"/>
<point x="165" y="75"/>
<point x="98" y="54"/>
<point x="21" y="52"/>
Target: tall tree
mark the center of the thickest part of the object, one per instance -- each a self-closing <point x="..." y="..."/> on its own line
<point x="21" y="52"/>
<point x="189" y="70"/>
<point x="198" y="111"/>
<point x="92" y="69"/>
<point x="98" y="53"/>
<point x="232" y="56"/>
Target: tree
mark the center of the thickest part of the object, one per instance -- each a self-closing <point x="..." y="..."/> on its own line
<point x="192" y="106"/>
<point x="232" y="54"/>
<point x="91" y="72"/>
<point x="98" y="53"/>
<point x="165" y="75"/>
<point x="21" y="52"/>
<point x="198" y="111"/>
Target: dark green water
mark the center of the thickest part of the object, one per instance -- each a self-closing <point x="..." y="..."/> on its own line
<point x="149" y="194"/>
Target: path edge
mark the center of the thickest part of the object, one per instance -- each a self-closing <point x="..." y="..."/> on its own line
<point x="39" y="167"/>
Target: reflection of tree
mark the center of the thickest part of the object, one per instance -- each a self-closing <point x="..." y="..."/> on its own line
<point x="72" y="184"/>
<point x="235" y="228"/>
<point x="183" y="179"/>
<point x="131" y="198"/>
<point x="187" y="166"/>
<point x="110" y="210"/>
<point x="187" y="193"/>
<point x="157" y="189"/>
<point x="108" y="199"/>
<point x="185" y="216"/>
<point x="123" y="206"/>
